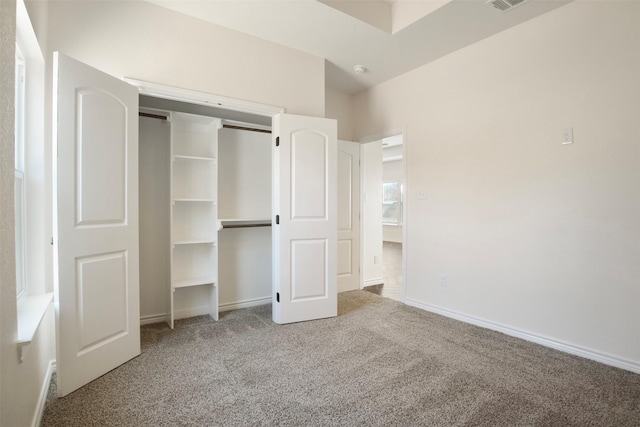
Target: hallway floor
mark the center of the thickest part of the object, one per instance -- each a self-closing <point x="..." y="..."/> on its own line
<point x="392" y="272"/>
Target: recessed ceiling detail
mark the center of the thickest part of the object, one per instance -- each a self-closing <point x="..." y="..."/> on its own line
<point x="391" y="38"/>
<point x="390" y="16"/>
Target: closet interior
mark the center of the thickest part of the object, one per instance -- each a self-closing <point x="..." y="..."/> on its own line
<point x="205" y="210"/>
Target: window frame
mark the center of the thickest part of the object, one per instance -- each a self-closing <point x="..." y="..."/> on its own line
<point x="20" y="195"/>
<point x="386" y="201"/>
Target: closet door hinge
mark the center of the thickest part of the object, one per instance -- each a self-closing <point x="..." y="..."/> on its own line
<point x="277" y="296"/>
<point x="277" y="219"/>
<point x="277" y="141"/>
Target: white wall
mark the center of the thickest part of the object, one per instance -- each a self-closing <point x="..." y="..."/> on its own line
<point x="154" y="182"/>
<point x="537" y="236"/>
<point x="371" y="214"/>
<point x="144" y="41"/>
<point x="373" y="12"/>
<point x="339" y="106"/>
<point x="406" y="12"/>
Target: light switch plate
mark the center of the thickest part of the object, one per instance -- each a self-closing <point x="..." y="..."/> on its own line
<point x="567" y="136"/>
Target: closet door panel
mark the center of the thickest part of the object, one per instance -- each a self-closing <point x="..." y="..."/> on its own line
<point x="348" y="216"/>
<point x="95" y="222"/>
<point x="305" y="203"/>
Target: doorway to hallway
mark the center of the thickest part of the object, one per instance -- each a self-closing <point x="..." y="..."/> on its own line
<point x="385" y="179"/>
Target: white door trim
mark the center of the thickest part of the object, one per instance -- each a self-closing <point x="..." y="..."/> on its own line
<point x="159" y="90"/>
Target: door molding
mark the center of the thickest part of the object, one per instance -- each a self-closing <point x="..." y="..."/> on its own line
<point x="190" y="96"/>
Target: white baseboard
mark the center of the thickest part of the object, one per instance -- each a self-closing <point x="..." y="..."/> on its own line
<point x="199" y="311"/>
<point x="42" y="398"/>
<point x="617" y="362"/>
<point x="374" y="281"/>
<point x="244" y="304"/>
<point x="178" y="314"/>
<point x="153" y="318"/>
<point x="191" y="312"/>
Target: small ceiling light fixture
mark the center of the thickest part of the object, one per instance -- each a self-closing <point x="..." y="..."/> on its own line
<point x="359" y="69"/>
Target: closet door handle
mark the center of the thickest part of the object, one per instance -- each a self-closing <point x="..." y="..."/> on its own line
<point x="277" y="219"/>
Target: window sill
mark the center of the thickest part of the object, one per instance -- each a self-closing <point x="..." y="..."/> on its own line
<point x="31" y="311"/>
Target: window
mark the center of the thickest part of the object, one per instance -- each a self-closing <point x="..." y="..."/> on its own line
<point x="19" y="181"/>
<point x="392" y="203"/>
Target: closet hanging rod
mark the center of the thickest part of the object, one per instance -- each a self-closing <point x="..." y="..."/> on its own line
<point x="152" y="116"/>
<point x="245" y="225"/>
<point x="246" y="128"/>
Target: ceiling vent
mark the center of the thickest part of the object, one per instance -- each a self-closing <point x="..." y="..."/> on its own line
<point x="505" y="5"/>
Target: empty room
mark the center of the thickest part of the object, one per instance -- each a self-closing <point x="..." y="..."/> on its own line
<point x="204" y="195"/>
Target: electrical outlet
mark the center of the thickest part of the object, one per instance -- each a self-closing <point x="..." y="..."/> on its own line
<point x="443" y="280"/>
<point x="376" y="259"/>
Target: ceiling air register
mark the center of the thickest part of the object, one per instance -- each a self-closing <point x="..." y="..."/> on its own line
<point x="505" y="5"/>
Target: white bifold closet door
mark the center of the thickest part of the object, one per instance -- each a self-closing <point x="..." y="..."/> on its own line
<point x="305" y="218"/>
<point x="96" y="223"/>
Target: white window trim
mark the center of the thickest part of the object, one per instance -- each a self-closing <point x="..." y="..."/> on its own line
<point x="20" y="236"/>
<point x="35" y="301"/>
<point x="19" y="176"/>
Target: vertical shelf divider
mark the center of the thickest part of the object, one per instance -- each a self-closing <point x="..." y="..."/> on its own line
<point x="193" y="207"/>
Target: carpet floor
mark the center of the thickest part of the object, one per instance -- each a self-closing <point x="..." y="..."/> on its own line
<point x="379" y="363"/>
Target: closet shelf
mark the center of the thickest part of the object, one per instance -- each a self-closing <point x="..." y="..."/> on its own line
<point x="198" y="158"/>
<point x="243" y="223"/>
<point x="199" y="281"/>
<point x="194" y="200"/>
<point x="194" y="242"/>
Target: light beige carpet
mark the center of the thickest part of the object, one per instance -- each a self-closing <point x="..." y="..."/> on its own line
<point x="379" y="363"/>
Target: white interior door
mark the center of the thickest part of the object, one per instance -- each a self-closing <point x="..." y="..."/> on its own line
<point x="348" y="216"/>
<point x="96" y="223"/>
<point x="305" y="218"/>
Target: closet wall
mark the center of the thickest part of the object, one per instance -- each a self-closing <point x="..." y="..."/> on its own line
<point x="155" y="275"/>
<point x="244" y="192"/>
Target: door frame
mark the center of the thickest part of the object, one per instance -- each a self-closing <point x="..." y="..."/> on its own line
<point x="195" y="97"/>
<point x="158" y="90"/>
<point x="189" y="96"/>
<point x="173" y="93"/>
<point x="405" y="205"/>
